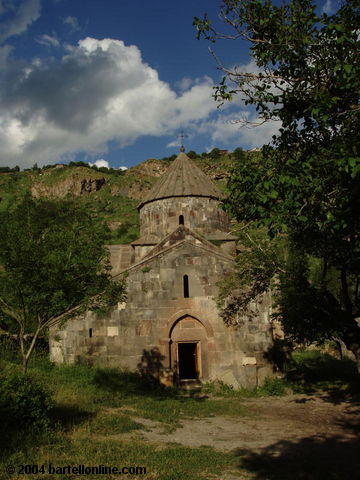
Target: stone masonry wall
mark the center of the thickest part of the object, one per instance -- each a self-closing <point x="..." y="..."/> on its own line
<point x="201" y="214"/>
<point x="157" y="316"/>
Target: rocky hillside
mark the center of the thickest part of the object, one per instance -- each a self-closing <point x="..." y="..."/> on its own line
<point x="111" y="194"/>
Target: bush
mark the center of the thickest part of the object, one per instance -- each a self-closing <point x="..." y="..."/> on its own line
<point x="274" y="387"/>
<point x="215" y="153"/>
<point x="24" y="403"/>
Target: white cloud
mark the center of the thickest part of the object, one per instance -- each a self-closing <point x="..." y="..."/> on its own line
<point x="19" y="15"/>
<point x="100" y="90"/>
<point x="184" y="83"/>
<point x="100" y="163"/>
<point x="328" y="7"/>
<point x="173" y="143"/>
<point x="72" y="22"/>
<point x="48" y="41"/>
<point x="104" y="163"/>
<point x="4" y="54"/>
<point x="229" y="128"/>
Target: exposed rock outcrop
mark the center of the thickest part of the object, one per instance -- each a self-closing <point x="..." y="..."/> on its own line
<point x="89" y="185"/>
<point x="74" y="184"/>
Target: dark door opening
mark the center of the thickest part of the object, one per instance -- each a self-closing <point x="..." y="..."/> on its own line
<point x="187" y="357"/>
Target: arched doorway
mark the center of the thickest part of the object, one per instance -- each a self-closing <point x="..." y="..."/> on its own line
<point x="188" y="348"/>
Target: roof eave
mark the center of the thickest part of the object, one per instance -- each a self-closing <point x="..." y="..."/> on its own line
<point x="215" y="197"/>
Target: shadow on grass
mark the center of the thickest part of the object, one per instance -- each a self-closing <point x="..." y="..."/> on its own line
<point x="128" y="383"/>
<point x="312" y="458"/>
<point x="61" y="419"/>
<point x="67" y="416"/>
<point x="146" y="381"/>
<point x="336" y="380"/>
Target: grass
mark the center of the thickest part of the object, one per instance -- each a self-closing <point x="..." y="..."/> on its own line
<point x="98" y="410"/>
<point x="87" y="390"/>
<point x="113" y="424"/>
<point x="95" y="409"/>
<point x="13" y="187"/>
<point x="313" y="370"/>
<point x="162" y="463"/>
<point x="271" y="387"/>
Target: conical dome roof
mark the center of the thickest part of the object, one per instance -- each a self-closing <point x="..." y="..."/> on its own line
<point x="182" y="179"/>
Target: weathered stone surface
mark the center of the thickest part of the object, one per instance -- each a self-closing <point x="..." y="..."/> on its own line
<point x="249" y="361"/>
<point x="229" y="379"/>
<point x="161" y="217"/>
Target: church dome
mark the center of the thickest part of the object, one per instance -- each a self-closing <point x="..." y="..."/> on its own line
<point x="182" y="179"/>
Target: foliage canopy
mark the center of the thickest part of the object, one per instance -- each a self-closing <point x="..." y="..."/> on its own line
<point x="306" y="185"/>
<point x="53" y="263"/>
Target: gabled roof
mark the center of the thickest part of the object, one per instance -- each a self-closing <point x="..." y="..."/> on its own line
<point x="148" y="240"/>
<point x="178" y="238"/>
<point x="182" y="179"/>
<point x="180" y="234"/>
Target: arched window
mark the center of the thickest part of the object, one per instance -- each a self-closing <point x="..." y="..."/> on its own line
<point x="181" y="220"/>
<point x="186" y="286"/>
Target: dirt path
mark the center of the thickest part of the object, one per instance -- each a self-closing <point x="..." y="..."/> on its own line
<point x="270" y="420"/>
<point x="295" y="437"/>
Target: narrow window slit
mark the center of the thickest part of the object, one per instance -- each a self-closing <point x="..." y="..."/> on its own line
<point x="90" y="332"/>
<point x="186" y="286"/>
<point x="181" y="220"/>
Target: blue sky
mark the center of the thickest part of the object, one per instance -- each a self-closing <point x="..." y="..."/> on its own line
<point x="114" y="80"/>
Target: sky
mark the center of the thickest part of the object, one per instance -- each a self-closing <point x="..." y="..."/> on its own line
<point x="115" y="82"/>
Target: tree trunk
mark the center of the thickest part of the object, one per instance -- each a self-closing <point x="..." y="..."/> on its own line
<point x="351" y="339"/>
<point x="25" y="363"/>
<point x="26" y="355"/>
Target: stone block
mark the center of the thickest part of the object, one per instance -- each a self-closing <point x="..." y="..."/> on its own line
<point x="250" y="376"/>
<point x="144" y="328"/>
<point x="98" y="331"/>
<point x="249" y="361"/>
<point x="186" y="323"/>
<point x="112" y="331"/>
<point x="264" y="372"/>
<point x="229" y="379"/>
<point x="222" y="347"/>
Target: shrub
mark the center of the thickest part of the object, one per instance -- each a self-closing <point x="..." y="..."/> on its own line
<point x="24" y="403"/>
<point x="274" y="387"/>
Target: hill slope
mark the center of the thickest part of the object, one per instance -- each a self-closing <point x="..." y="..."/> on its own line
<point x="110" y="194"/>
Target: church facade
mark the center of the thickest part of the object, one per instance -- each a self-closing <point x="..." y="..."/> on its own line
<point x="170" y="324"/>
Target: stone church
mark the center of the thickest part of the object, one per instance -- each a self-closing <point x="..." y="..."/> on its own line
<point x="170" y="321"/>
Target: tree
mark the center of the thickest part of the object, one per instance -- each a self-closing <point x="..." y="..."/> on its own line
<point x="192" y="154"/>
<point x="53" y="264"/>
<point x="215" y="153"/>
<point x="238" y="154"/>
<point x="306" y="185"/>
